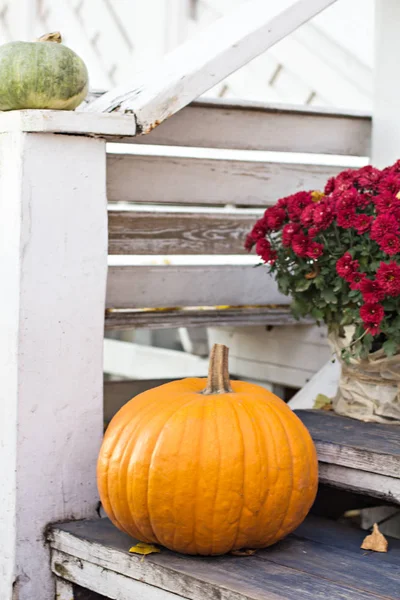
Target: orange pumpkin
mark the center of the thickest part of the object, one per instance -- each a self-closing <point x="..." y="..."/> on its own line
<point x="207" y="470"/>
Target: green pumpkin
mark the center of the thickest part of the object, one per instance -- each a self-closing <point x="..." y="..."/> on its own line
<point x="42" y="74"/>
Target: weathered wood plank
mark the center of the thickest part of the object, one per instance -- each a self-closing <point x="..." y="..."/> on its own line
<point x="106" y="582"/>
<point x="221" y="317"/>
<point x="331" y="533"/>
<point x="227" y="577"/>
<point x="355" y="480"/>
<point x="64" y="590"/>
<point x="371" y="447"/>
<point x="177" y="180"/>
<point x="347" y="566"/>
<point x="171" y="286"/>
<point x="216" y="124"/>
<point x="196" y="66"/>
<point x="255" y="126"/>
<point x="177" y="232"/>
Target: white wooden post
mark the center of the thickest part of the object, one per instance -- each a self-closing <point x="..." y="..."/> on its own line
<point x="386" y="121"/>
<point x="53" y="262"/>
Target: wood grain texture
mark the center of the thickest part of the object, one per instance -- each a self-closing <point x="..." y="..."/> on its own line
<point x="64" y="590"/>
<point x="216" y="124"/>
<point x="224" y="317"/>
<point x="372" y="447"/>
<point x="244" y="125"/>
<point x="177" y="180"/>
<point x="284" y="571"/>
<point x="172" y="286"/>
<point x="106" y="582"/>
<point x="362" y="482"/>
<point x="177" y="233"/>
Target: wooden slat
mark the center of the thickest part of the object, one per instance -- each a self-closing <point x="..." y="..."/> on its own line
<point x="362" y="482"/>
<point x="371" y="447"/>
<point x="255" y="126"/>
<point x="172" y="286"/>
<point x="206" y="317"/>
<point x="357" y="456"/>
<point x="340" y="535"/>
<point x="216" y="124"/>
<point x="291" y="570"/>
<point x="177" y="233"/>
<point x="174" y="180"/>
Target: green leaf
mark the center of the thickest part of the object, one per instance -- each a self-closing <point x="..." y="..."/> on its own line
<point x="390" y="347"/>
<point x="317" y="313"/>
<point x="302" y="285"/>
<point x="329" y="295"/>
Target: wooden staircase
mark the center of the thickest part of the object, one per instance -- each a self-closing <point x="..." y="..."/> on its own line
<point x="193" y="208"/>
<point x="201" y="207"/>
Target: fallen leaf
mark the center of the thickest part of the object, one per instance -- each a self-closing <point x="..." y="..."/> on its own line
<point x="142" y="548"/>
<point x="245" y="552"/>
<point x="322" y="402"/>
<point x="376" y="541"/>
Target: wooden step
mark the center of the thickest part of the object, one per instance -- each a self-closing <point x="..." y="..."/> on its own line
<point x="321" y="560"/>
<point x="357" y="456"/>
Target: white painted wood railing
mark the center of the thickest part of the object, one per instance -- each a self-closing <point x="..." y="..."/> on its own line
<point x="199" y="64"/>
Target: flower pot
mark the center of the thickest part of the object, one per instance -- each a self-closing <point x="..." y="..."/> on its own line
<point x="369" y="389"/>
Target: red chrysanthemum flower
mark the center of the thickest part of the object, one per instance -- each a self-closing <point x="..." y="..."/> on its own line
<point x="282" y="203"/>
<point x="264" y="250"/>
<point x="372" y="312"/>
<point x="371" y="291"/>
<point x="386" y="202"/>
<point x="355" y="280"/>
<point x="346" y="266"/>
<point x="288" y="232"/>
<point x="274" y="217"/>
<point x="259" y="230"/>
<point x="315" y="250"/>
<point x="346" y="217"/>
<point x="323" y="215"/>
<point x="297" y="203"/>
<point x="345" y="180"/>
<point x="390" y="243"/>
<point x="388" y="277"/>
<point x="372" y="328"/>
<point x="330" y="186"/>
<point x="390" y="181"/>
<point x="382" y="225"/>
<point x="362" y="223"/>
<point x="249" y="243"/>
<point x="300" y="244"/>
<point x="306" y="217"/>
<point x="368" y="177"/>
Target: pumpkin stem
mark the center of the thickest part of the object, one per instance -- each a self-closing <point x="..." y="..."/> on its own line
<point x="51" y="37"/>
<point x="218" y="373"/>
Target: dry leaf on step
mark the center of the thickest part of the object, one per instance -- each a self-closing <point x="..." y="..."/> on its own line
<point x="322" y="402"/>
<point x="376" y="541"/>
<point x="142" y="548"/>
<point x="246" y="552"/>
